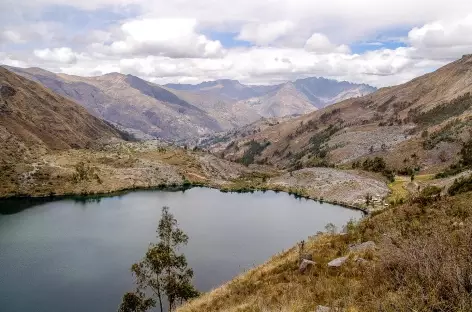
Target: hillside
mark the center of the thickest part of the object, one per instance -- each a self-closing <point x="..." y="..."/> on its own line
<point x="130" y="102"/>
<point x="413" y="257"/>
<point x="175" y="111"/>
<point x="34" y="120"/>
<point x="419" y="124"/>
<point x="52" y="146"/>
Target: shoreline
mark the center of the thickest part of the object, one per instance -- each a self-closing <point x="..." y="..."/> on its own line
<point x="169" y="188"/>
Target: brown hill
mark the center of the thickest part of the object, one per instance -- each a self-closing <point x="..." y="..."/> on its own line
<point x="34" y="119"/>
<point x="179" y="111"/>
<point x="132" y="103"/>
<point x="417" y="124"/>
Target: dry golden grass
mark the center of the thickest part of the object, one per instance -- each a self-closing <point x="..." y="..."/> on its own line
<point x="423" y="262"/>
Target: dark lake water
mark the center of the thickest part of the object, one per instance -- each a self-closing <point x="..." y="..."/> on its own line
<point x="73" y="255"/>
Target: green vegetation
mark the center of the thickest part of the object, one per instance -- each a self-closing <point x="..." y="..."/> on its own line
<point x="464" y="163"/>
<point x="162" y="272"/>
<point x="255" y="149"/>
<point x="319" y="139"/>
<point x="448" y="133"/>
<point x="317" y="151"/>
<point x="85" y="172"/>
<point x="325" y="117"/>
<point x="377" y="164"/>
<point x="428" y="195"/>
<point x="461" y="185"/>
<point x="442" y="112"/>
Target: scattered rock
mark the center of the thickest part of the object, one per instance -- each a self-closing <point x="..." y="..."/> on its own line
<point x="336" y="263"/>
<point x="306" y="257"/>
<point x="362" y="246"/>
<point x="361" y="261"/>
<point x="7" y="91"/>
<point x="305" y="265"/>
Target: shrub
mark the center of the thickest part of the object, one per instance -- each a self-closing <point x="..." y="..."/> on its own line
<point x="428" y="195"/>
<point x="443" y="111"/>
<point x="84" y="172"/>
<point x="255" y="148"/>
<point x="432" y="271"/>
<point x="461" y="185"/>
<point x="464" y="163"/>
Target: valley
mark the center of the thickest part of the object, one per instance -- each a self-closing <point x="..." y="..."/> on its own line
<point x="402" y="155"/>
<point x="175" y="111"/>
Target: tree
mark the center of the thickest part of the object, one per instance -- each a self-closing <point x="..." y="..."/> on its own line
<point x="368" y="199"/>
<point x="466" y="153"/>
<point x="162" y="271"/>
<point x="135" y="302"/>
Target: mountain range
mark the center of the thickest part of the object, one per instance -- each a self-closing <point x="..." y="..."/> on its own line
<point x="181" y="111"/>
<point x="419" y="124"/>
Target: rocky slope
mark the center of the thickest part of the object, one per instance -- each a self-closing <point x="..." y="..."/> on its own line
<point x="53" y="146"/>
<point x="130" y="102"/>
<point x="183" y="111"/>
<point x="419" y="124"/>
<point x="33" y="120"/>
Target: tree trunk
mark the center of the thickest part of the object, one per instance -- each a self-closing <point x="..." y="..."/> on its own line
<point x="160" y="299"/>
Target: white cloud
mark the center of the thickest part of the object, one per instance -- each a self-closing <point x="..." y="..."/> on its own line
<point x="164" y="37"/>
<point x="265" y="65"/>
<point x="172" y="40"/>
<point x="62" y="55"/>
<point x="319" y="43"/>
<point x="43" y="32"/>
<point x="443" y="39"/>
<point x="10" y="36"/>
<point x="265" y="33"/>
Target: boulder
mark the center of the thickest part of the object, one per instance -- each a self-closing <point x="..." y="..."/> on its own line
<point x="305" y="265"/>
<point x="336" y="263"/>
<point x="321" y="308"/>
<point x="306" y="257"/>
<point x="370" y="245"/>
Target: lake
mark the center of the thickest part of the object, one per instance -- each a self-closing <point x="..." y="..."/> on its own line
<point x="70" y="255"/>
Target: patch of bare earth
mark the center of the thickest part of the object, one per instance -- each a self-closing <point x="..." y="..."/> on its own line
<point x="334" y="185"/>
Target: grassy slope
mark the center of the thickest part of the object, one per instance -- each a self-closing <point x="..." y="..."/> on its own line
<point x="423" y="262"/>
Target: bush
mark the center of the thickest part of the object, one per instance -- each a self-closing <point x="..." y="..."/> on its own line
<point x="428" y="195"/>
<point x="432" y="271"/>
<point x="255" y="148"/>
<point x="464" y="163"/>
<point x="84" y="172"/>
<point x="442" y="112"/>
<point x="461" y="185"/>
<point x="377" y="164"/>
<point x="319" y="139"/>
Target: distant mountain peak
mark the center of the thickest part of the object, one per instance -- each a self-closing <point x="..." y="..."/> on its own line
<point x="176" y="111"/>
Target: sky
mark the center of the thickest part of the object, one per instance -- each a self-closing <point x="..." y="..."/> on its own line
<point x="379" y="42"/>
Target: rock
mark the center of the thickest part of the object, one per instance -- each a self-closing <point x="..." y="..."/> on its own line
<point x="306" y="257"/>
<point x="305" y="265"/>
<point x="362" y="247"/>
<point x="321" y="308"/>
<point x="7" y="91"/>
<point x="336" y="263"/>
<point x="361" y="261"/>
